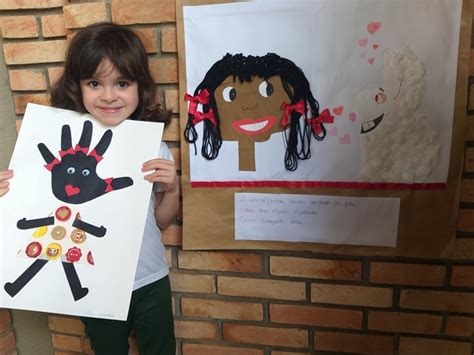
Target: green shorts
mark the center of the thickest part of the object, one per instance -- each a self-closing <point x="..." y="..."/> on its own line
<point x="150" y="313"/>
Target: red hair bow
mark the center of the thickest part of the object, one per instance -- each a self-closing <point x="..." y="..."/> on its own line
<point x="324" y="117"/>
<point x="288" y="109"/>
<point x="201" y="98"/>
<point x="199" y="116"/>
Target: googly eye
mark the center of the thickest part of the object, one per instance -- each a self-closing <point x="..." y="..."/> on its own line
<point x="71" y="170"/>
<point x="380" y="98"/>
<point x="86" y="172"/>
<point x="229" y="94"/>
<point x="265" y="88"/>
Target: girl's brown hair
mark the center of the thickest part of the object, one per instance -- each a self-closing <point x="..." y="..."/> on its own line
<point x="89" y="46"/>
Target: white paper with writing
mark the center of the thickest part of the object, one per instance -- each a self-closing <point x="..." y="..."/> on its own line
<point x="317" y="219"/>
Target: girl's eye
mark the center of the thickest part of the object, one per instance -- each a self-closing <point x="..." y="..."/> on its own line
<point x="86" y="172"/>
<point x="229" y="94"/>
<point x="380" y="98"/>
<point x="93" y="84"/>
<point x="71" y="170"/>
<point x="122" y="84"/>
<point x="265" y="88"/>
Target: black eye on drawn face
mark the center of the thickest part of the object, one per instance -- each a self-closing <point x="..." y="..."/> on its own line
<point x="229" y="94"/>
<point x="71" y="170"/>
<point x="265" y="88"/>
<point x="86" y="172"/>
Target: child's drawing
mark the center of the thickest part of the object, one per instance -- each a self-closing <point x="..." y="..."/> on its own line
<point x="62" y="236"/>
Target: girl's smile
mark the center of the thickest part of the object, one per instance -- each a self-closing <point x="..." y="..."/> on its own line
<point x="108" y="96"/>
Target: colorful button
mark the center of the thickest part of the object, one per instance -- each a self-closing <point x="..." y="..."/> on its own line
<point x="73" y="254"/>
<point x="63" y="213"/>
<point x="90" y="259"/>
<point x="39" y="232"/>
<point x="58" y="232"/>
<point x="33" y="249"/>
<point x="53" y="251"/>
<point x="78" y="236"/>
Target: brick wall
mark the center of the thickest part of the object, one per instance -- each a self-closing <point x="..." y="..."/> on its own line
<point x="257" y="302"/>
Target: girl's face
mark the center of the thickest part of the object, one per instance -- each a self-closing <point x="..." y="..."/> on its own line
<point x="108" y="96"/>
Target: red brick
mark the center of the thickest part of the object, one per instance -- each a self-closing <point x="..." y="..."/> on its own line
<point x="204" y="349"/>
<point x="467" y="187"/>
<point x="66" y="325"/>
<point x="18" y="27"/>
<point x="469" y="160"/>
<point x="460" y="326"/>
<point x="407" y="274"/>
<point x="192" y="283"/>
<point x="172" y="133"/>
<point x="272" y="289"/>
<point x="164" y="70"/>
<point x="404" y="322"/>
<point x="438" y="300"/>
<point x="128" y="12"/>
<point x="66" y="342"/>
<point x="463" y="249"/>
<point x="250" y="334"/>
<point x="465" y="220"/>
<point x="20" y="101"/>
<point x="463" y="275"/>
<point x="26" y="79"/>
<point x="354" y="343"/>
<point x="148" y="37"/>
<point x="7" y="343"/>
<point x="194" y="307"/>
<point x="87" y="346"/>
<point x="173" y="235"/>
<point x="316" y="316"/>
<point x="420" y="346"/>
<point x="81" y="15"/>
<point x="315" y="268"/>
<point x="352" y="295"/>
<point x="195" y="330"/>
<point x="168" y="39"/>
<point x="31" y="4"/>
<point x="54" y="73"/>
<point x="53" y="26"/>
<point x="5" y="320"/>
<point x="220" y="261"/>
<point x="34" y="52"/>
<point x="171" y="100"/>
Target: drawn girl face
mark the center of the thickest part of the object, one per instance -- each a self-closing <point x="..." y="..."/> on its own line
<point x="250" y="110"/>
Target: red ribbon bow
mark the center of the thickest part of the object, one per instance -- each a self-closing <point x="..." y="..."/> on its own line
<point x="78" y="148"/>
<point x="288" y="109"/>
<point x="95" y="155"/>
<point x="62" y="153"/>
<point x="52" y="164"/>
<point x="201" y="98"/>
<point x="324" y="117"/>
<point x="199" y="116"/>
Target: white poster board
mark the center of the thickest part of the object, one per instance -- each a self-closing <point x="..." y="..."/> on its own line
<point x="59" y="273"/>
<point x="363" y="59"/>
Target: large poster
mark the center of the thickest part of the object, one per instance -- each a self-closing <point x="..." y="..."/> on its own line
<point x="73" y="220"/>
<point x="341" y="110"/>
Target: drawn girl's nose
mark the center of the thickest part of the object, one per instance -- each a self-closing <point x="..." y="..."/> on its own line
<point x="250" y="107"/>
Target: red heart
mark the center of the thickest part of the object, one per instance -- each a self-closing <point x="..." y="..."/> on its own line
<point x="375" y="46"/>
<point x="373" y="26"/>
<point x="72" y="190"/>
<point x="338" y="110"/>
<point x="371" y="60"/>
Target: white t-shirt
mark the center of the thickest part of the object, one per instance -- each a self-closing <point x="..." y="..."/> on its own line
<point x="152" y="264"/>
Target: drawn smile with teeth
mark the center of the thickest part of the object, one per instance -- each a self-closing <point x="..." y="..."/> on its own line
<point x="371" y="125"/>
<point x="250" y="127"/>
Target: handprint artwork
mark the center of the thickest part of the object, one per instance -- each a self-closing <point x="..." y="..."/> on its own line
<point x="62" y="235"/>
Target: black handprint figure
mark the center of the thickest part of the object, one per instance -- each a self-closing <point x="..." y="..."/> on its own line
<point x="63" y="236"/>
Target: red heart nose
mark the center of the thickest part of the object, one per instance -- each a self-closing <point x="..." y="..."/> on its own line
<point x="72" y="190"/>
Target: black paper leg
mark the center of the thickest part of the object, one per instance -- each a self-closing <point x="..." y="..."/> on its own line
<point x="13" y="288"/>
<point x="77" y="290"/>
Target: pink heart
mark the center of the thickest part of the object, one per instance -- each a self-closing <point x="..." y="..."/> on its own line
<point x="371" y="60"/>
<point x="352" y="116"/>
<point x="363" y="55"/>
<point x="375" y="46"/>
<point x="373" y="26"/>
<point x="333" y="131"/>
<point x="363" y="42"/>
<point x="338" y="110"/>
<point x="72" y="190"/>
<point x="345" y="139"/>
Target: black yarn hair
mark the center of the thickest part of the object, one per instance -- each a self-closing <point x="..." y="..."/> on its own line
<point x="295" y="84"/>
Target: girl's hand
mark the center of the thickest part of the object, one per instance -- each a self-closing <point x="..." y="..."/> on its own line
<point x="4" y="183"/>
<point x="162" y="171"/>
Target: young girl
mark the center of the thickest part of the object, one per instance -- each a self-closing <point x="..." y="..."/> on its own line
<point x="107" y="75"/>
